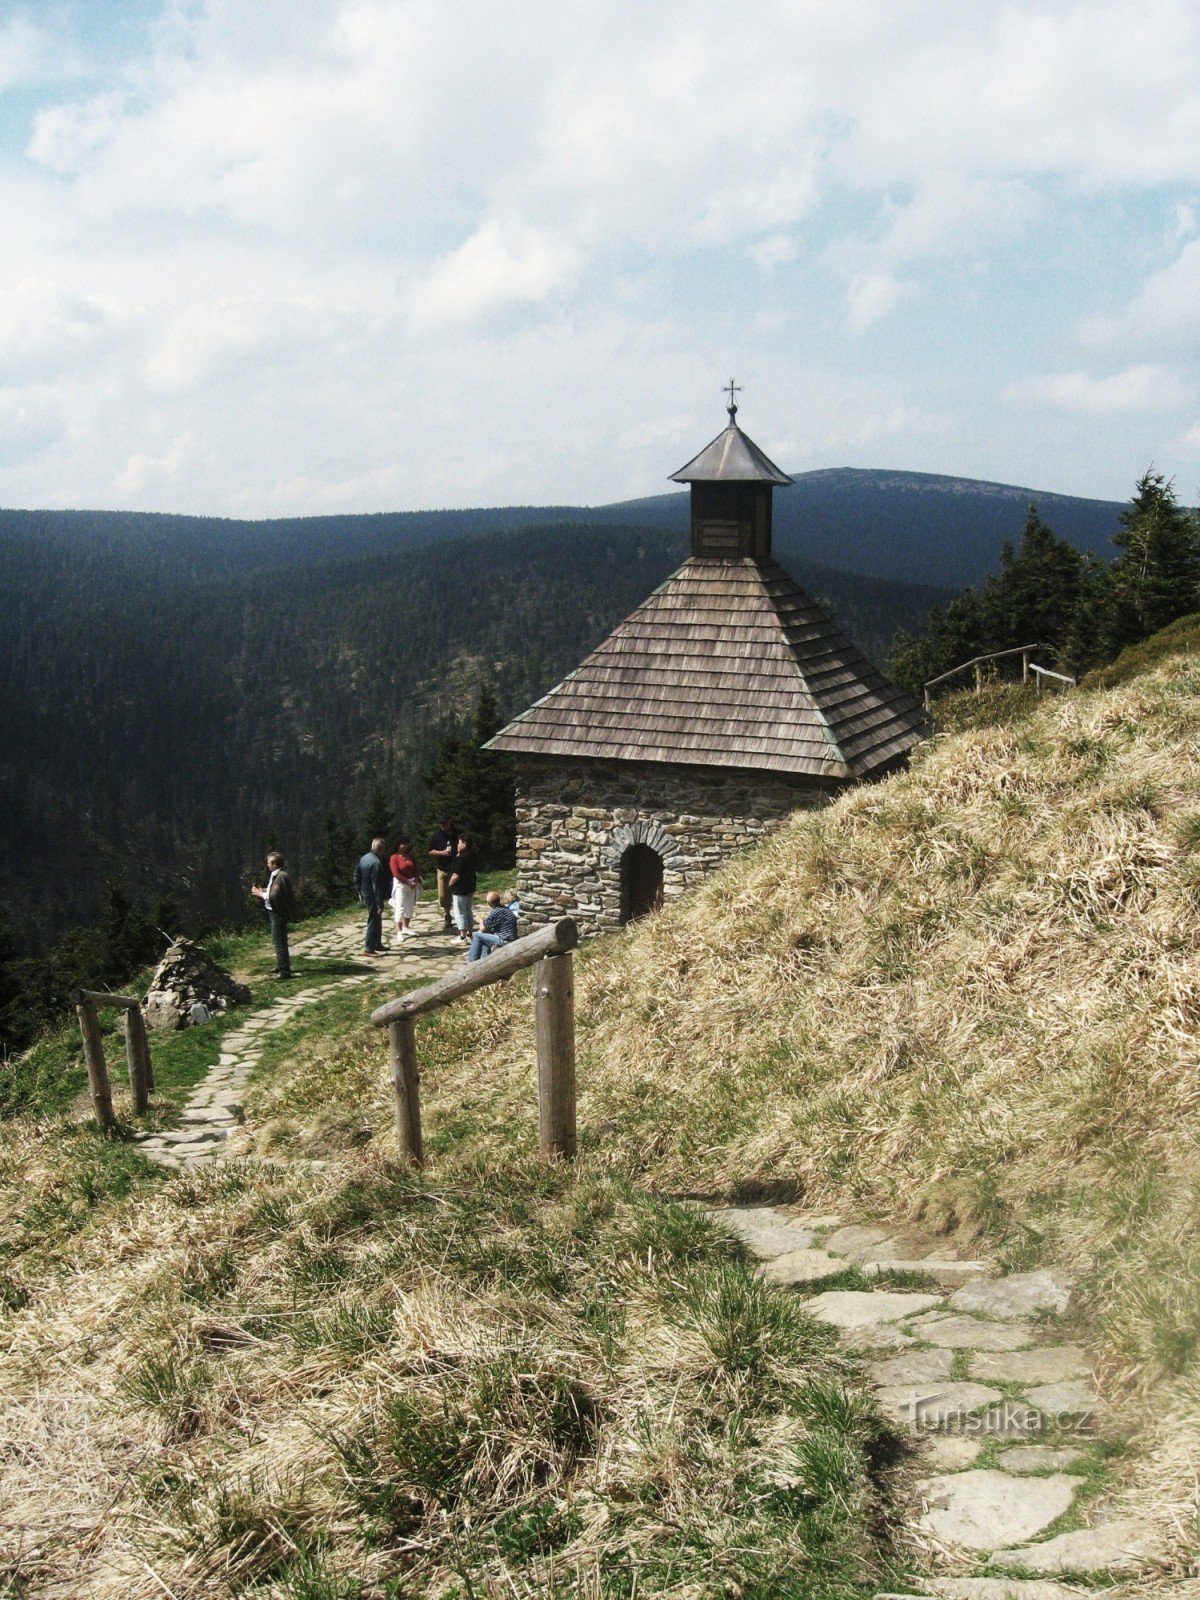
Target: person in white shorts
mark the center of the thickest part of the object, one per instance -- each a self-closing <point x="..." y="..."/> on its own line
<point x="406" y="886"/>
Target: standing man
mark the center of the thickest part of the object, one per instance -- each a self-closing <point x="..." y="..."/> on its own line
<point x="443" y="849"/>
<point x="279" y="902"/>
<point x="371" y="883"/>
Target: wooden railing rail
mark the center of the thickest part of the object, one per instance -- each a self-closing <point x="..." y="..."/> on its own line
<point x="548" y="952"/>
<point x="1025" y="651"/>
<point x="1045" y="672"/>
<point x="87" y="1004"/>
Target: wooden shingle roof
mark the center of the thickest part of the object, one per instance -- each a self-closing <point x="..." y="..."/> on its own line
<point x="727" y="664"/>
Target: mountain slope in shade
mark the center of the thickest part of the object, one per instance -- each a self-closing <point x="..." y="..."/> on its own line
<point x="911" y="526"/>
<point x="915" y="526"/>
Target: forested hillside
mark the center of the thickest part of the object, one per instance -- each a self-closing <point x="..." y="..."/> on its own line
<point x="905" y="525"/>
<point x="177" y="695"/>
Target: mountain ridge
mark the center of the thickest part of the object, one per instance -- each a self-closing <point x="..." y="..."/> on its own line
<point x="888" y="523"/>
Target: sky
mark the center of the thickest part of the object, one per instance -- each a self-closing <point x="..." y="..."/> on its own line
<point x="284" y="257"/>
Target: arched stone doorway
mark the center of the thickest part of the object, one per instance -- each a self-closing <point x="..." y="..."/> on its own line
<point x="641" y="882"/>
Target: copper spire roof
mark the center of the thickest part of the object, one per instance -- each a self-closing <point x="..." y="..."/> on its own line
<point x="727" y="664"/>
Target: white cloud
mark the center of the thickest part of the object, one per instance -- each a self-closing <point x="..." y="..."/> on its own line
<point x="777" y="250"/>
<point x="870" y="296"/>
<point x="376" y="248"/>
<point x="1163" y="317"/>
<point x="503" y="263"/>
<point x="141" y="469"/>
<point x="64" y="136"/>
<point x="1137" y="389"/>
<point x="26" y="55"/>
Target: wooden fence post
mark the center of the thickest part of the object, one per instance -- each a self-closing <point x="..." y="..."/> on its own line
<point x="554" y="1020"/>
<point x="137" y="1053"/>
<point x="402" y="1055"/>
<point x="1024" y="666"/>
<point x="978" y="679"/>
<point x="93" y="1055"/>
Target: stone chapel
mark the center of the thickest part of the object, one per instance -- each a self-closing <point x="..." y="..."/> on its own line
<point x="725" y="701"/>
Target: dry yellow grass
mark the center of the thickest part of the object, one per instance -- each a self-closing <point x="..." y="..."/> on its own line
<point x="970" y="995"/>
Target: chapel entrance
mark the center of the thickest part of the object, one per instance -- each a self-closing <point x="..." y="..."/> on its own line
<point x="641" y="882"/>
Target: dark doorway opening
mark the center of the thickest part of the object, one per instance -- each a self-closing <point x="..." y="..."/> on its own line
<point x="641" y="882"/>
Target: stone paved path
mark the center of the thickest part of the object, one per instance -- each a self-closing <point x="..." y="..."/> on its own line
<point x="968" y="1362"/>
<point x="1004" y="1412"/>
<point x="214" y="1106"/>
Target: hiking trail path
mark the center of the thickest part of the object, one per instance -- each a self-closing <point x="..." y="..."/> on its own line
<point x="1006" y="1413"/>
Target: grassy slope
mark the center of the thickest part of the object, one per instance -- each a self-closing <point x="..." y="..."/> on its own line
<point x="970" y="994"/>
<point x="341" y="1383"/>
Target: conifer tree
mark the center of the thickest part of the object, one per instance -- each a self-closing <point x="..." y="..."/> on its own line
<point x="335" y="864"/>
<point x="475" y="787"/>
<point x="379" y="823"/>
<point x="1156" y="576"/>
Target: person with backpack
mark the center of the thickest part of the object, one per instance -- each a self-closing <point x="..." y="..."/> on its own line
<point x="279" y="902"/>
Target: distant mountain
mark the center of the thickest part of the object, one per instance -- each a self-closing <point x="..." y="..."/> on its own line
<point x="915" y="526"/>
<point x="174" y="691"/>
<point x="912" y="526"/>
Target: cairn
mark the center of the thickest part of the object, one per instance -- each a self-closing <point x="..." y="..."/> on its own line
<point x="186" y="985"/>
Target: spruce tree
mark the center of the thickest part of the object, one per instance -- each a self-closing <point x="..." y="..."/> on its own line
<point x="379" y="823"/>
<point x="475" y="787"/>
<point x="1156" y="576"/>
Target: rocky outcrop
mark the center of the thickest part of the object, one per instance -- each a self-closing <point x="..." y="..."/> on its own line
<point x="187" y="977"/>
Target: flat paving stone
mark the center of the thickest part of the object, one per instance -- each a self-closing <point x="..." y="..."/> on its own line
<point x="973" y="1333"/>
<point x="762" y="1230"/>
<point x="1123" y="1546"/>
<point x="937" y="1407"/>
<point x="1012" y="1419"/>
<point x="1022" y="1459"/>
<point x="1000" y="1589"/>
<point x="915" y="1366"/>
<point x="981" y="1509"/>
<point x="858" y="1308"/>
<point x="1076" y="1398"/>
<point x="949" y="1273"/>
<point x="855" y="1240"/>
<point x="878" y="1336"/>
<point x="1024" y="1294"/>
<point x="803" y="1266"/>
<point x="950" y="1452"/>
<point x="1051" y="1364"/>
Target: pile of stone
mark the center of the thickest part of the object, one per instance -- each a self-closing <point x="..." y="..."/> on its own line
<point x="188" y="987"/>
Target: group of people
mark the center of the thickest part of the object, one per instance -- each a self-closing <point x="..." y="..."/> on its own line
<point x="396" y="883"/>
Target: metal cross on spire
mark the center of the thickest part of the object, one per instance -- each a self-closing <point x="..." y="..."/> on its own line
<point x="731" y="389"/>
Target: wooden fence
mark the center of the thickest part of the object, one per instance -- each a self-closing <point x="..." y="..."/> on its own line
<point x="137" y="1051"/>
<point x="548" y="952"/>
<point x="1025" y="651"/>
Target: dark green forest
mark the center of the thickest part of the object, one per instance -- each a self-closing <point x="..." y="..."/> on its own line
<point x="165" y="719"/>
<point x="1080" y="609"/>
<point x="179" y="694"/>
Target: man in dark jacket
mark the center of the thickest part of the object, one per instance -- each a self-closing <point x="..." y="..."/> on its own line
<point x="372" y="883"/>
<point x="443" y="848"/>
<point x="279" y="902"/>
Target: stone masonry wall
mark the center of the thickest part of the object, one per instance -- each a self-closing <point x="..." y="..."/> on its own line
<point x="576" y="818"/>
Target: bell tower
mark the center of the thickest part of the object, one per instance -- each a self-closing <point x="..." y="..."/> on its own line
<point x="731" y="481"/>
